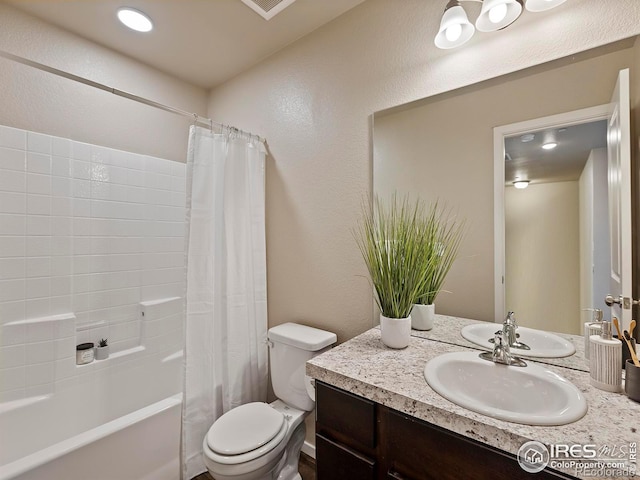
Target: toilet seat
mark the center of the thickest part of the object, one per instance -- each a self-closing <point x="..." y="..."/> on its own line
<point x="245" y="433"/>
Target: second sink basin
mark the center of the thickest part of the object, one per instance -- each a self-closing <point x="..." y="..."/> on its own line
<point x="542" y="344"/>
<point x="530" y="395"/>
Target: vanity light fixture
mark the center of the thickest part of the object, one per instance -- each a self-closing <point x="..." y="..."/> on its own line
<point x="520" y="184"/>
<point x="455" y="28"/>
<point x="135" y="19"/>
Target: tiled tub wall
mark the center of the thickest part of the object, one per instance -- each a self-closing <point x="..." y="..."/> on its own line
<point x="87" y="235"/>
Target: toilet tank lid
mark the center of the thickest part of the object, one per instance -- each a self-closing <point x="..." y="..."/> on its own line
<point x="301" y="336"/>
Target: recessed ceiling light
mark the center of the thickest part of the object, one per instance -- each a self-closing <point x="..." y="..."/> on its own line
<point x="135" y="19"/>
<point x="550" y="145"/>
<point x="521" y="184"/>
<point x="527" y="137"/>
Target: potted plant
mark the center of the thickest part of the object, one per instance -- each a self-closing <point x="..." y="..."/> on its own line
<point x="389" y="238"/>
<point x="441" y="243"/>
<point x="102" y="350"/>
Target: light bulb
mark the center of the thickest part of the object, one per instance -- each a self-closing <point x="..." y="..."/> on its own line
<point x="520" y="184"/>
<point x="453" y="32"/>
<point x="497" y="13"/>
<point x="135" y="19"/>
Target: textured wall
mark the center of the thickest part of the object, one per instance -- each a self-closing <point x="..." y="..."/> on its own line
<point x="313" y="102"/>
<point x="41" y="102"/>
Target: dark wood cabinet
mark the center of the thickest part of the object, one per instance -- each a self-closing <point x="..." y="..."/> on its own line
<point x="359" y="439"/>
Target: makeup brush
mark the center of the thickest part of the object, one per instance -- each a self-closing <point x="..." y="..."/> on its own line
<point x="634" y="357"/>
<point x="615" y="322"/>
<point x="632" y="326"/>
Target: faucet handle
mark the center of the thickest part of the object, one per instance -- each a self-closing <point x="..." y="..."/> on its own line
<point x="511" y="319"/>
<point x="501" y="351"/>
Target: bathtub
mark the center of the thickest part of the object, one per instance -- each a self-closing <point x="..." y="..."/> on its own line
<point x="120" y="422"/>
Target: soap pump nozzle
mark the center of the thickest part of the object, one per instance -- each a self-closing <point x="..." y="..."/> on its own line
<point x="605" y="333"/>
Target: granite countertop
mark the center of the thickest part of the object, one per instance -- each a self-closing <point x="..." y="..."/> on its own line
<point x="394" y="378"/>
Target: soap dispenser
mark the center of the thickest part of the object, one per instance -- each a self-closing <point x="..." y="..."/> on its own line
<point x="594" y="327"/>
<point x="604" y="360"/>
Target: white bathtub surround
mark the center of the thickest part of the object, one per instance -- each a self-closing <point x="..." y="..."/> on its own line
<point x="87" y="234"/>
<point x="142" y="428"/>
<point x="87" y="231"/>
<point x="129" y="439"/>
<point x="226" y="301"/>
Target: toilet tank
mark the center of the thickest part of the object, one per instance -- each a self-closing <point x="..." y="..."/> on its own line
<point x="291" y="345"/>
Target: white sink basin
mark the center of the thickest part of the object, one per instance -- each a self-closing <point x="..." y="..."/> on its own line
<point x="531" y="395"/>
<point x="542" y="344"/>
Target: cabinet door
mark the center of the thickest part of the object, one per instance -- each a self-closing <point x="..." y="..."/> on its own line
<point x="345" y="417"/>
<point x="335" y="461"/>
<point x="417" y="450"/>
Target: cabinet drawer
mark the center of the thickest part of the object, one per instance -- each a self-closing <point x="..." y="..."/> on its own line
<point x="335" y="461"/>
<point x="349" y="415"/>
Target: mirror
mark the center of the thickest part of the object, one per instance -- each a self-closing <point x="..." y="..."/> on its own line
<point x="442" y="147"/>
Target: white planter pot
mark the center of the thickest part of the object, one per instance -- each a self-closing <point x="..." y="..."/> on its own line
<point x="102" y="353"/>
<point x="422" y="316"/>
<point x="395" y="332"/>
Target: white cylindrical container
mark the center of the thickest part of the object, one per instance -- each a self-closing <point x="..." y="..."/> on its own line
<point x="590" y="328"/>
<point x="84" y="353"/>
<point x="422" y="316"/>
<point x="605" y="365"/>
<point x="395" y="332"/>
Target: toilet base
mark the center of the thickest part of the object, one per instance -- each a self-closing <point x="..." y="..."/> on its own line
<point x="291" y="455"/>
<point x="284" y="469"/>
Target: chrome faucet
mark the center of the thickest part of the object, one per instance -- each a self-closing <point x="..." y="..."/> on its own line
<point x="501" y="352"/>
<point x="510" y="333"/>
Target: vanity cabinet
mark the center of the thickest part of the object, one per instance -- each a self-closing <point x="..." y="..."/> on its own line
<point x="357" y="439"/>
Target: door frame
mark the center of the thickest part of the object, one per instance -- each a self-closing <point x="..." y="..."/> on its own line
<point x="567" y="119"/>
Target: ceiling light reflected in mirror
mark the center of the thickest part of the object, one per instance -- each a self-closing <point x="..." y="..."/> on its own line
<point x="520" y="184"/>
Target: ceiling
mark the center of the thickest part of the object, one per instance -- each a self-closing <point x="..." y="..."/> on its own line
<point x="204" y="42"/>
<point x="529" y="161"/>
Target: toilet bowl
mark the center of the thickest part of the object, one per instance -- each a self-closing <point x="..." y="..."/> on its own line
<point x="260" y="441"/>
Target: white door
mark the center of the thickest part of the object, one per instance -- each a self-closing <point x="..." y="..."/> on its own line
<point x="619" y="153"/>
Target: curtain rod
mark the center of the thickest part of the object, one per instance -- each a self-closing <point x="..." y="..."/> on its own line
<point x="121" y="93"/>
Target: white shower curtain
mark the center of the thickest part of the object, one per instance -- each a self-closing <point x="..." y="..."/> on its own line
<point x="226" y="299"/>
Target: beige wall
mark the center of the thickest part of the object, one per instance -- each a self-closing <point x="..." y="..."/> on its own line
<point x="542" y="240"/>
<point x="41" y="102"/>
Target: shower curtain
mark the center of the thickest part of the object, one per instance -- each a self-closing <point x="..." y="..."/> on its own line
<point x="226" y="300"/>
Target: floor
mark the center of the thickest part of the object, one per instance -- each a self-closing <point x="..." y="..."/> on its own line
<point x="306" y="466"/>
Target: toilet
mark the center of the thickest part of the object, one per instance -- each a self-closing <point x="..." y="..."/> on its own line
<point x="260" y="441"/>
